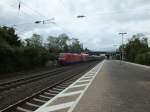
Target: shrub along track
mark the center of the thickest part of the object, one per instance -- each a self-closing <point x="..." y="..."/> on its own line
<point x="17" y="93"/>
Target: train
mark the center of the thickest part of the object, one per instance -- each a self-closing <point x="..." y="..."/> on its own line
<point x="70" y="58"/>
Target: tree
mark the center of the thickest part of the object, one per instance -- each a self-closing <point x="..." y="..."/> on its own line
<point x="52" y="44"/>
<point x="76" y="46"/>
<point x="35" y="41"/>
<point x="58" y="43"/>
<point x="63" y="43"/>
<point x="8" y="37"/>
<point x="9" y="41"/>
<point x="135" y="46"/>
<point x="86" y="50"/>
<point x="63" y="39"/>
<point x="17" y="54"/>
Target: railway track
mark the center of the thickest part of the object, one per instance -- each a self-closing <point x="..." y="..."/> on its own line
<point x="12" y="84"/>
<point x="18" y="82"/>
<point x="34" y="101"/>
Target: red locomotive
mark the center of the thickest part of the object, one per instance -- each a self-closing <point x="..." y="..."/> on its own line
<point x="68" y="58"/>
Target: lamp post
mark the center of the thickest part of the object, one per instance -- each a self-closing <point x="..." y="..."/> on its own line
<point x="122" y="48"/>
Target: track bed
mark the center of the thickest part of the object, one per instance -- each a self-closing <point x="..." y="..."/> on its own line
<point x="15" y="94"/>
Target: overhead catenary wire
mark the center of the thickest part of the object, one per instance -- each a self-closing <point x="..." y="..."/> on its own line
<point x="39" y="15"/>
<point x="103" y="13"/>
<point x="18" y="26"/>
<point x="22" y="5"/>
<point x="24" y="12"/>
<point x="35" y="11"/>
<point x="98" y="13"/>
<point x="65" y="31"/>
<point x="64" y="7"/>
<point x="120" y="12"/>
<point x="18" y="6"/>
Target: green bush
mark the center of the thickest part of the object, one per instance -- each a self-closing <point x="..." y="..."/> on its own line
<point x="6" y="56"/>
<point x="143" y="59"/>
<point x="22" y="58"/>
<point x="17" y="54"/>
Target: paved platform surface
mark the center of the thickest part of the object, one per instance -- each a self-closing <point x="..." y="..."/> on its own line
<point x="108" y="87"/>
<point x="118" y="88"/>
<point x="66" y="100"/>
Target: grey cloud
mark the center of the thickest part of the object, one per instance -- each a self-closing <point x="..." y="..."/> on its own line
<point x="98" y="31"/>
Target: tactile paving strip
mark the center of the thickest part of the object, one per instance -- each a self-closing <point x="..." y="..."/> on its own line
<point x="66" y="100"/>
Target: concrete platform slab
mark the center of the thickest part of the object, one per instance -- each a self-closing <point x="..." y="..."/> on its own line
<point x="118" y="88"/>
<point x="68" y="98"/>
<point x="111" y="88"/>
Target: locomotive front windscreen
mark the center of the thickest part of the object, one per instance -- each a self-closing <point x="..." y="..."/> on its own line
<point x="61" y="55"/>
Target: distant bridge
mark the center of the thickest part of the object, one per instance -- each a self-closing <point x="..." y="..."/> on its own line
<point x="102" y="52"/>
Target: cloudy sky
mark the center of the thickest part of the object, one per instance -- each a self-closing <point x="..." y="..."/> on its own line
<point x="97" y="31"/>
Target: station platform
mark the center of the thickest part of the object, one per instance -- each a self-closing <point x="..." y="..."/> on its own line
<point x="108" y="87"/>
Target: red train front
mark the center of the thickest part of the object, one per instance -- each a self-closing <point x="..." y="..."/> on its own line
<point x="69" y="58"/>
